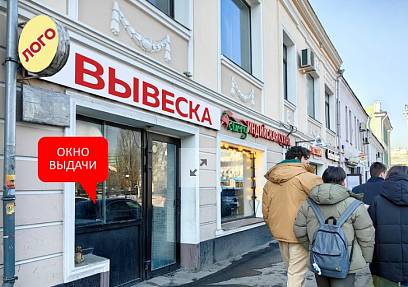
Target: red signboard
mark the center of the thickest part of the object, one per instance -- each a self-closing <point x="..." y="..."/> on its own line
<point x="102" y="75"/>
<point x="316" y="151"/>
<point x="74" y="159"/>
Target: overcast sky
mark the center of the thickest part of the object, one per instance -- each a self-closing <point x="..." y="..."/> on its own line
<point x="371" y="37"/>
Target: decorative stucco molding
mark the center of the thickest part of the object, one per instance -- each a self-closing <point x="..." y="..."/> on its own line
<point x="243" y="97"/>
<point x="146" y="44"/>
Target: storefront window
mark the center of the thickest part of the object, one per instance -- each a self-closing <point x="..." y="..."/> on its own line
<point x="120" y="197"/>
<point x="237" y="183"/>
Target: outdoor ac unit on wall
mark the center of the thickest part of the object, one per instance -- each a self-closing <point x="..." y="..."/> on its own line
<point x="307" y="61"/>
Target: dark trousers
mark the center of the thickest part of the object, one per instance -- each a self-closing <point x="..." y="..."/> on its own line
<point x="332" y="282"/>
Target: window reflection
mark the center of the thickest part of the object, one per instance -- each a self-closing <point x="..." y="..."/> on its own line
<point x="236" y="32"/>
<point x="120" y="197"/>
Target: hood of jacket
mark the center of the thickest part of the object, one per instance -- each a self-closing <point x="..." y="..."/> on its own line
<point x="395" y="189"/>
<point x="287" y="170"/>
<point x="375" y="179"/>
<point x="329" y="193"/>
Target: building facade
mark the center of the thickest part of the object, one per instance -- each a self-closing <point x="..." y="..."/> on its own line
<point x="376" y="150"/>
<point x="380" y="125"/>
<point x="399" y="156"/>
<point x="194" y="116"/>
<point x="353" y="134"/>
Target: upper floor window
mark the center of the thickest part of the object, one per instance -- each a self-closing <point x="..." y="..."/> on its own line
<point x="327" y="109"/>
<point x="166" y="6"/>
<point x="285" y="72"/>
<point x="355" y="132"/>
<point x="236" y="32"/>
<point x="310" y="90"/>
<point x="358" y="134"/>
<point x="385" y="136"/>
<point x="347" y="125"/>
<point x="351" y="128"/>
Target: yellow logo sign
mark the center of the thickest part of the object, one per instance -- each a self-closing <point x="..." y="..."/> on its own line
<point x="38" y="43"/>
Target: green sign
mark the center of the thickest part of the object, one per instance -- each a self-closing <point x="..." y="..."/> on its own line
<point x="238" y="128"/>
<point x="232" y="125"/>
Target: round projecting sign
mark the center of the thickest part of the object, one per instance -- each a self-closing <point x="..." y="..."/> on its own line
<point x="43" y="46"/>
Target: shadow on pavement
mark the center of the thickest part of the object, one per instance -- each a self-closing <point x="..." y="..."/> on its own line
<point x="244" y="267"/>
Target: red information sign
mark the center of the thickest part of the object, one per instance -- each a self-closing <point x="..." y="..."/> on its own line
<point x="74" y="159"/>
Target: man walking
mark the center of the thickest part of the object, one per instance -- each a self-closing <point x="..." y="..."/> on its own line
<point x="373" y="186"/>
<point x="289" y="183"/>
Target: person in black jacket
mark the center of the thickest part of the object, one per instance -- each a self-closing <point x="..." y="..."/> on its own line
<point x="373" y="186"/>
<point x="389" y="213"/>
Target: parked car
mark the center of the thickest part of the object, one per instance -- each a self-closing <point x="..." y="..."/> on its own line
<point x="117" y="209"/>
<point x="229" y="202"/>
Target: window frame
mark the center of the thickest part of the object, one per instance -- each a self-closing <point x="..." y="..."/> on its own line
<point x="250" y="40"/>
<point x="313" y="97"/>
<point x="327" y="109"/>
<point x="104" y="222"/>
<point x="285" y="71"/>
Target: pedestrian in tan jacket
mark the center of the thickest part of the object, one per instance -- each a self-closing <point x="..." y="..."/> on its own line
<point x="289" y="183"/>
<point x="333" y="199"/>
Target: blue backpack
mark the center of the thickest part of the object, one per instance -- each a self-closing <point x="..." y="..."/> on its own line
<point x="329" y="254"/>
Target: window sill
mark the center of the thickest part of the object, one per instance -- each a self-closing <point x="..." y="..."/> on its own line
<point x="331" y="132"/>
<point x="241" y="72"/>
<point x="314" y="121"/>
<point x="239" y="225"/>
<point x="290" y="105"/>
<point x="92" y="265"/>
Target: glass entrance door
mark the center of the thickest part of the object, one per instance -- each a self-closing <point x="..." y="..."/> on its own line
<point x="163" y="203"/>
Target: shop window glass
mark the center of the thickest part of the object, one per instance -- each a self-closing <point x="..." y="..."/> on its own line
<point x="237" y="183"/>
<point x="119" y="198"/>
<point x="87" y="213"/>
<point x="236" y="32"/>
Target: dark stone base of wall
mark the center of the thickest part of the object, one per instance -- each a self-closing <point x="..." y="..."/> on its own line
<point x="97" y="280"/>
<point x="225" y="247"/>
<point x="91" y="281"/>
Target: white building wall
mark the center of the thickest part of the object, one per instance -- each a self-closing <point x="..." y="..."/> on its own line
<point x="351" y="138"/>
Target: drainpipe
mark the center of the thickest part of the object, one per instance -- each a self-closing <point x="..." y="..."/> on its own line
<point x="10" y="146"/>
<point x="339" y="75"/>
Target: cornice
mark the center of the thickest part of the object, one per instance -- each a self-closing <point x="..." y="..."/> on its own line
<point x="354" y="95"/>
<point x="313" y="22"/>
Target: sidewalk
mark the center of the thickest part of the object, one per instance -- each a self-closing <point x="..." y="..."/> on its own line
<point x="262" y="267"/>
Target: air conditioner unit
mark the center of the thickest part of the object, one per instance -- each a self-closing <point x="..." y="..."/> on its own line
<point x="307" y="62"/>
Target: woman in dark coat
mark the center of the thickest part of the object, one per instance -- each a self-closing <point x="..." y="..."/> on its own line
<point x="389" y="213"/>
